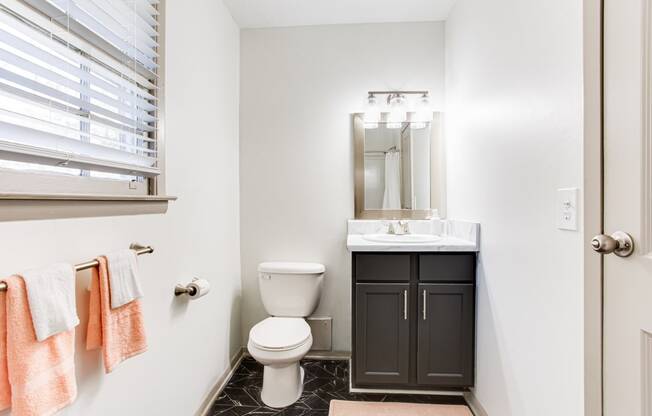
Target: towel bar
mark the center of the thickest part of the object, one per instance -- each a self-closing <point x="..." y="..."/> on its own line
<point x="89" y="264"/>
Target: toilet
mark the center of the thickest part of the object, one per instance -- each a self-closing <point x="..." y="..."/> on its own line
<point x="290" y="292"/>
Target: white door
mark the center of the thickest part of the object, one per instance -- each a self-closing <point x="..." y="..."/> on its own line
<point x="627" y="286"/>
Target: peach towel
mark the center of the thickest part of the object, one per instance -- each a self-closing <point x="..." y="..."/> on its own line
<point x="348" y="408"/>
<point x="5" y="389"/>
<point x="119" y="332"/>
<point x="36" y="378"/>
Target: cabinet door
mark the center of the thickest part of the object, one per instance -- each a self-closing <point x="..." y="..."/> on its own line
<point x="445" y="335"/>
<point x="381" y="333"/>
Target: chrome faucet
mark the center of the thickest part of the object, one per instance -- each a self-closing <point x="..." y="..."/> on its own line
<point x="403" y="227"/>
<point x="400" y="228"/>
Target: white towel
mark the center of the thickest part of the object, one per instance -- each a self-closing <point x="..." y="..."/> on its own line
<point x="123" y="278"/>
<point x="51" y="297"/>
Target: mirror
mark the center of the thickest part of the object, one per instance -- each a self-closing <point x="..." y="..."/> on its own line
<point x="398" y="170"/>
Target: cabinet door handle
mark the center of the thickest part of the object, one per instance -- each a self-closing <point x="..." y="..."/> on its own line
<point x="425" y="306"/>
<point x="405" y="305"/>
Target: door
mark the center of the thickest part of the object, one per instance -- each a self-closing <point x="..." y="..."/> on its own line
<point x="382" y="333"/>
<point x="627" y="281"/>
<point x="445" y="335"/>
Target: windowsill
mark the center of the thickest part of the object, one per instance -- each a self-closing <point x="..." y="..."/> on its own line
<point x="27" y="206"/>
<point x="82" y="197"/>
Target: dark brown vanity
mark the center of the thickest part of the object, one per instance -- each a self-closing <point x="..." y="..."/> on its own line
<point x="414" y="273"/>
<point x="413" y="320"/>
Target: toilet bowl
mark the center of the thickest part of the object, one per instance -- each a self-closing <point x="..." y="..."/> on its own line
<point x="290" y="292"/>
<point x="279" y="344"/>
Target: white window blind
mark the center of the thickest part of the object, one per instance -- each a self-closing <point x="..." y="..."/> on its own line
<point x="78" y="85"/>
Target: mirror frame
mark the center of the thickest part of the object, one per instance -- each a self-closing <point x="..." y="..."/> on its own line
<point x="437" y="170"/>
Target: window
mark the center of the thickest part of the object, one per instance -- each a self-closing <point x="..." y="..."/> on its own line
<point x="79" y="97"/>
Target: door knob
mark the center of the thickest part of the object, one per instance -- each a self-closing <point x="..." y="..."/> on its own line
<point x="619" y="243"/>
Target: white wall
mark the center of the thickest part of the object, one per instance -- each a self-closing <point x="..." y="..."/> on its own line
<point x="514" y="117"/>
<point x="189" y="344"/>
<point x="298" y="88"/>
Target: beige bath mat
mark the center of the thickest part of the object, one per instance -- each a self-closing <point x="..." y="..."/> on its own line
<point x="347" y="408"/>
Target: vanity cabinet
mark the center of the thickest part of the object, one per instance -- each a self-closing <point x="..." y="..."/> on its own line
<point x="414" y="320"/>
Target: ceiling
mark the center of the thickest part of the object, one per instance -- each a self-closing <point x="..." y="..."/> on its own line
<point x="280" y="13"/>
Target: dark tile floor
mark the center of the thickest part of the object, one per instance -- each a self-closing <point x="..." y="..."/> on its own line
<point x="324" y="381"/>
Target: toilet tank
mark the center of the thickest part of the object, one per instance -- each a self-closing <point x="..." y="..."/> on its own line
<point x="290" y="289"/>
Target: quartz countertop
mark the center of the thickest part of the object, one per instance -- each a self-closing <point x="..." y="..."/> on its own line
<point x="454" y="236"/>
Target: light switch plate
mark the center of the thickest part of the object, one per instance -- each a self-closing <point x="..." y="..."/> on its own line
<point x="567" y="209"/>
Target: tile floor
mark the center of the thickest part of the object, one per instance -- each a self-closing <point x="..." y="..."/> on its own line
<point x="324" y="381"/>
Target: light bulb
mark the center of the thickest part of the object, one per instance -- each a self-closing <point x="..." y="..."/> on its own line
<point x="372" y="113"/>
<point x="423" y="115"/>
<point x="397" y="115"/>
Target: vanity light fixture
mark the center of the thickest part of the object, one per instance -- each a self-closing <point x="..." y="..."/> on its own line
<point x="397" y="110"/>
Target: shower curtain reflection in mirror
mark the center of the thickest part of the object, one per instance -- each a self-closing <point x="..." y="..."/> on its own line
<point x="399" y="169"/>
<point x="392" y="195"/>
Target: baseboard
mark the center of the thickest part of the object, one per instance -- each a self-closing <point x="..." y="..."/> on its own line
<point x="220" y="384"/>
<point x="406" y="391"/>
<point x="328" y="355"/>
<point x="474" y="404"/>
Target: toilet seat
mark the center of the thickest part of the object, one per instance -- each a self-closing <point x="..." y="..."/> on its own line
<point x="280" y="334"/>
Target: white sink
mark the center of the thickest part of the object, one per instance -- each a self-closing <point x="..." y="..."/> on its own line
<point x="401" y="239"/>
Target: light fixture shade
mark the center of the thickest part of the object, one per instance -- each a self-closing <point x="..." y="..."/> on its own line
<point x="397" y="112"/>
<point x="372" y="113"/>
<point x="423" y="112"/>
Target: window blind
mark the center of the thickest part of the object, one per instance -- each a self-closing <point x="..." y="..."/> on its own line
<point x="78" y="84"/>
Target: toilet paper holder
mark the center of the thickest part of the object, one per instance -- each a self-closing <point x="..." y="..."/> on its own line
<point x="194" y="290"/>
<point x="184" y="290"/>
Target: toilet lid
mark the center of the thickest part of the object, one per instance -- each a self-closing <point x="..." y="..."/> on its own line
<point x="279" y="334"/>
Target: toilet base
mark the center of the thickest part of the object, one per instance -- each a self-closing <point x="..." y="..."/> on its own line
<point x="282" y="384"/>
